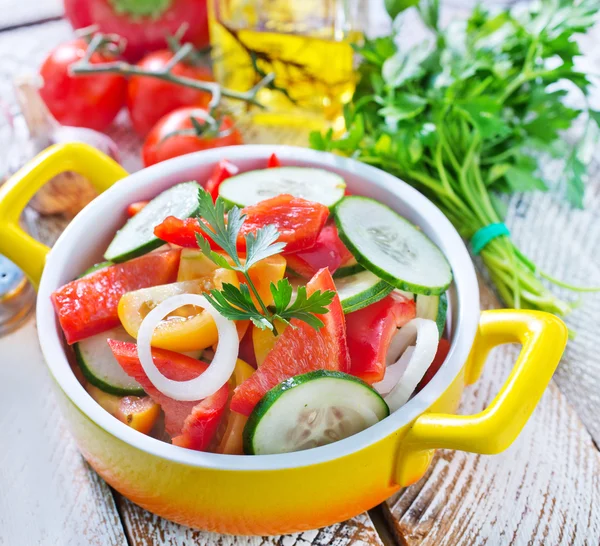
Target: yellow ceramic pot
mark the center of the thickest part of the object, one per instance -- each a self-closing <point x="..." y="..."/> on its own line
<point x="274" y="494"/>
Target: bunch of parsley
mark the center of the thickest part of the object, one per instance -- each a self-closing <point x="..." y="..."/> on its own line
<point x="470" y="113"/>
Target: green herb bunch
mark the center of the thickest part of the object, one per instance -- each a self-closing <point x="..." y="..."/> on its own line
<point x="469" y="113"/>
<point x="236" y="303"/>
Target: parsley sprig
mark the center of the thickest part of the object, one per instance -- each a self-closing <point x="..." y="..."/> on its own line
<point x="475" y="111"/>
<point x="236" y="303"/>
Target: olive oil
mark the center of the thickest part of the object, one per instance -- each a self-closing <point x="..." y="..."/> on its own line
<point x="306" y="44"/>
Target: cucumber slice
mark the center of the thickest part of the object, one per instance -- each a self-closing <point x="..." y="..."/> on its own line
<point x="361" y="289"/>
<point x="391" y="247"/>
<point x="348" y="270"/>
<point x="137" y="237"/>
<point x="433" y="308"/>
<point x="94" y="268"/>
<point x="311" y="410"/>
<point x="316" y="185"/>
<point x="100" y="367"/>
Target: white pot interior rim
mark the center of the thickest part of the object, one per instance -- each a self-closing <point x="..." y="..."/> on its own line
<point x="361" y="178"/>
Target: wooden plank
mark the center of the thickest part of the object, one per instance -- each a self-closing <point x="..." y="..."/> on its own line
<point x="143" y="529"/>
<point x="19" y="12"/>
<point x="48" y="494"/>
<point x="545" y="489"/>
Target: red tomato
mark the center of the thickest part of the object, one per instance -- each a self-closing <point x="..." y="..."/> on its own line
<point x="149" y="99"/>
<point x="370" y="331"/>
<point x="163" y="143"/>
<point x="299" y="350"/>
<point x="190" y="424"/>
<point x="88" y="306"/>
<point x="440" y="356"/>
<point x="81" y="101"/>
<point x="136" y="207"/>
<point x="143" y="24"/>
<point x="299" y="222"/>
<point x="328" y="251"/>
<point x="223" y="170"/>
<point x="273" y="162"/>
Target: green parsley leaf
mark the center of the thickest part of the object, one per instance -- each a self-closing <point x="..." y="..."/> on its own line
<point x="236" y="304"/>
<point x="261" y="245"/>
<point x="304" y="308"/>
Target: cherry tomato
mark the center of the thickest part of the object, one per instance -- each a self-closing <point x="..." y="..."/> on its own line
<point x="149" y="99"/>
<point x="143" y="24"/>
<point x="82" y="101"/>
<point x="159" y="145"/>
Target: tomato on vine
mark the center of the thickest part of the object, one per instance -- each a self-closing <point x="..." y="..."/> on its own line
<point x="149" y="99"/>
<point x="90" y="101"/>
<point x="187" y="130"/>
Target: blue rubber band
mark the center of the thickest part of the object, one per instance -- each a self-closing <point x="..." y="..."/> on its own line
<point x="486" y="234"/>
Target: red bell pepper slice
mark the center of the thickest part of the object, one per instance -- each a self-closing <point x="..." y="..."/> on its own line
<point x="223" y="170"/>
<point x="370" y="331"/>
<point x="299" y="349"/>
<point x="273" y="162"/>
<point x="190" y="424"/>
<point x="246" y="351"/>
<point x="440" y="356"/>
<point x="298" y="221"/>
<point x="88" y="306"/>
<point x="328" y="251"/>
<point x="136" y="207"/>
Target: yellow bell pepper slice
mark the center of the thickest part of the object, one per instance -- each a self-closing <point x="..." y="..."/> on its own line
<point x="188" y="329"/>
<point x="232" y="441"/>
<point x="264" y="340"/>
<point x="139" y="413"/>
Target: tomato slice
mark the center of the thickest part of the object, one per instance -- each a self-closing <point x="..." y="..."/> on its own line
<point x="223" y="170"/>
<point x="299" y="350"/>
<point x="190" y="424"/>
<point x="440" y="356"/>
<point x="328" y="251"/>
<point x="136" y="207"/>
<point x="370" y="331"/>
<point x="298" y="221"/>
<point x="273" y="162"/>
<point x="88" y="306"/>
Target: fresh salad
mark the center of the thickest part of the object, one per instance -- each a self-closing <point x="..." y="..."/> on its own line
<point x="262" y="312"/>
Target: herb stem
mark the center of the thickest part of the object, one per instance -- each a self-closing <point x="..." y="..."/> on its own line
<point x="84" y="66"/>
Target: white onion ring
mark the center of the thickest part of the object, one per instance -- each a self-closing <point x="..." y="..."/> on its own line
<point x="221" y="367"/>
<point x="394" y="372"/>
<point x="426" y="334"/>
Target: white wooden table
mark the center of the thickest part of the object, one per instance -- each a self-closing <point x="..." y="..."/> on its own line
<point x="545" y="489"/>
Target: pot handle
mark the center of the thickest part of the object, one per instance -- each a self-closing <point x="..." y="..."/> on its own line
<point x="17" y="245"/>
<point x="543" y="337"/>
